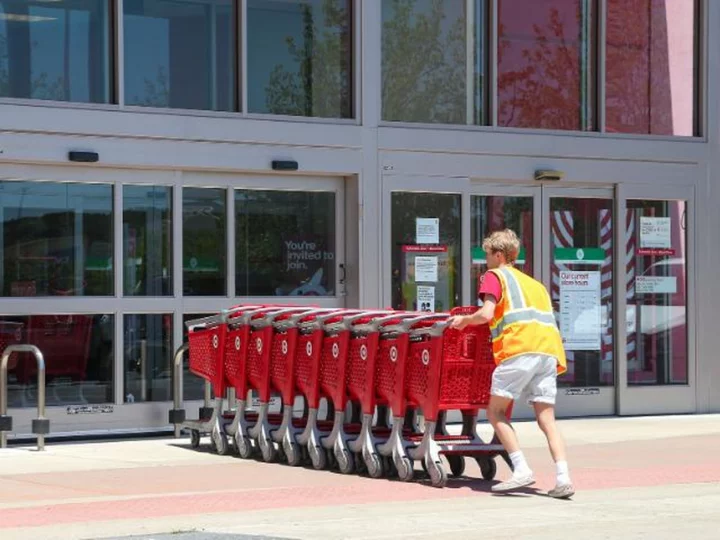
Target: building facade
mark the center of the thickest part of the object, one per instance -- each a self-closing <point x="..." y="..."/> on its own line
<point x="161" y="160"/>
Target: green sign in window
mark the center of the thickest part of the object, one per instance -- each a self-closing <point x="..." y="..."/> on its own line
<point x="478" y="256"/>
<point x="579" y="256"/>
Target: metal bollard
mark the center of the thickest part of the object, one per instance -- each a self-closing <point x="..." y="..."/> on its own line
<point x="177" y="414"/>
<point x="40" y="425"/>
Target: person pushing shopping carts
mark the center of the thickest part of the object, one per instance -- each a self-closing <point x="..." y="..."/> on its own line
<point x="529" y="354"/>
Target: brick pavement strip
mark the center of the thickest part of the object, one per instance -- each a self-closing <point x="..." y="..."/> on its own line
<point x="141" y="494"/>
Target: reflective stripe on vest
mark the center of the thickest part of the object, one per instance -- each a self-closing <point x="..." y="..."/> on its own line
<point x="526" y="315"/>
<point x="515" y="295"/>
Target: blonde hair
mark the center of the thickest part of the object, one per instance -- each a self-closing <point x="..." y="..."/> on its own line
<point x="506" y="242"/>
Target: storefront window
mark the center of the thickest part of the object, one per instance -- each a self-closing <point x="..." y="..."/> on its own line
<point x="285" y="243"/>
<point x="582" y="287"/>
<point x="651" y="67"/>
<point x="57" y="239"/>
<point x="57" y="50"/>
<point x="204" y="242"/>
<point x="657" y="334"/>
<point x="180" y="54"/>
<point x="426" y="242"/>
<point x="428" y="75"/>
<point x="300" y="57"/>
<point x="147" y="240"/>
<point x="495" y="213"/>
<point x="78" y="352"/>
<point x="148" y="358"/>
<point x="545" y="64"/>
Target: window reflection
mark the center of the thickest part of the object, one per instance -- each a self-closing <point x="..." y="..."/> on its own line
<point x="651" y="68"/>
<point x="204" y="242"/>
<point x="545" y="64"/>
<point x="425" y="63"/>
<point x="147" y="245"/>
<point x="78" y="352"/>
<point x="57" y="239"/>
<point x="495" y="213"/>
<point x="148" y="358"/>
<point x="285" y="243"/>
<point x="300" y="57"/>
<point x="56" y="50"/>
<point x="180" y="54"/>
<point x="657" y="293"/>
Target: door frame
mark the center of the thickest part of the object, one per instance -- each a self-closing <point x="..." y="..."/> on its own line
<point x="657" y="399"/>
<point x="424" y="184"/>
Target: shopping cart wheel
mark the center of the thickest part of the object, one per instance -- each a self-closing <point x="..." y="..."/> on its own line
<point x="389" y="467"/>
<point x="360" y="466"/>
<point x="318" y="457"/>
<point x="438" y="474"/>
<point x="194" y="438"/>
<point x="345" y="461"/>
<point x="267" y="449"/>
<point x="405" y="470"/>
<point x="488" y="467"/>
<point x="244" y="446"/>
<point x="292" y="453"/>
<point x="220" y="443"/>
<point x="374" y="466"/>
<point x="457" y="465"/>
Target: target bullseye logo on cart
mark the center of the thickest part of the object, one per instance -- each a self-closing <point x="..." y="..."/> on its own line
<point x="308" y="348"/>
<point x="393" y="353"/>
<point x="284" y="347"/>
<point x="363" y="352"/>
<point x="216" y="342"/>
<point x="426" y="357"/>
<point x="237" y="343"/>
<point x="336" y="350"/>
<point x="258" y="344"/>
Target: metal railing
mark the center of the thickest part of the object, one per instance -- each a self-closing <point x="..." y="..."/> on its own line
<point x="40" y="425"/>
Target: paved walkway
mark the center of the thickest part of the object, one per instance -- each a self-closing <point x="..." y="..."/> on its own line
<point x="636" y="478"/>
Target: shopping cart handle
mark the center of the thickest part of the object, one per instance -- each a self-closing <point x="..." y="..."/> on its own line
<point x="247" y="316"/>
<point x="435" y="330"/>
<point x="212" y="320"/>
<point x="352" y="318"/>
<point x="269" y="318"/>
<point x="294" y="320"/>
<point x="406" y="325"/>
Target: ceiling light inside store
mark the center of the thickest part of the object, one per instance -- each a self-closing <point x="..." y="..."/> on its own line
<point x="24" y="18"/>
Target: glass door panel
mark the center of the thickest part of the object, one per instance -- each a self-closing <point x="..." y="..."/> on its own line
<point x="657" y="332"/>
<point x="425" y="251"/>
<point x="581" y="286"/>
<point x="489" y="213"/>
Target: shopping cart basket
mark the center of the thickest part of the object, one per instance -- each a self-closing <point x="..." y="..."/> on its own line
<point x="446" y="370"/>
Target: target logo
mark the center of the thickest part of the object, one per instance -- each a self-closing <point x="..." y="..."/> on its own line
<point x="284" y="347"/>
<point x="258" y="344"/>
<point x="393" y="354"/>
<point x="216" y="342"/>
<point x="237" y="343"/>
<point x="426" y="357"/>
<point x="363" y="352"/>
<point x="335" y="350"/>
<point x="308" y="348"/>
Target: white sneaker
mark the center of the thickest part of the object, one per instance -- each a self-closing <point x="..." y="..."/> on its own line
<point x="564" y="491"/>
<point x="515" y="482"/>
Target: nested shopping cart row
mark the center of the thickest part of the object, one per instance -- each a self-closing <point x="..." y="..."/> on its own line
<point x="375" y="371"/>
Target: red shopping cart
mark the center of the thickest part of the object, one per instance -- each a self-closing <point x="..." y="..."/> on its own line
<point x="447" y="370"/>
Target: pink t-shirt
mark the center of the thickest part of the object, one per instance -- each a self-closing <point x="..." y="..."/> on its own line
<point x="490" y="284"/>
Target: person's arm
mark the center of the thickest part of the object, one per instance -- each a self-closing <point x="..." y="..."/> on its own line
<point x="482" y="316"/>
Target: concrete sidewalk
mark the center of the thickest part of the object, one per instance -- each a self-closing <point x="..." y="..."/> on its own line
<point x="636" y="477"/>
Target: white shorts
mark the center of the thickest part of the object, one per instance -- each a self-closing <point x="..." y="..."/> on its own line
<point x="531" y="375"/>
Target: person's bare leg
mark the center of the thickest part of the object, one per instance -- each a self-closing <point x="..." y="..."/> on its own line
<point x="545" y="414"/>
<point x="497" y="415"/>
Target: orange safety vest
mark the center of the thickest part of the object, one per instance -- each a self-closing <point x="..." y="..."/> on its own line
<point x="523" y="322"/>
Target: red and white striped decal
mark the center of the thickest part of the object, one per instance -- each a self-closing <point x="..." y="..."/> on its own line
<point x="630" y="245"/>
<point x="606" y="287"/>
